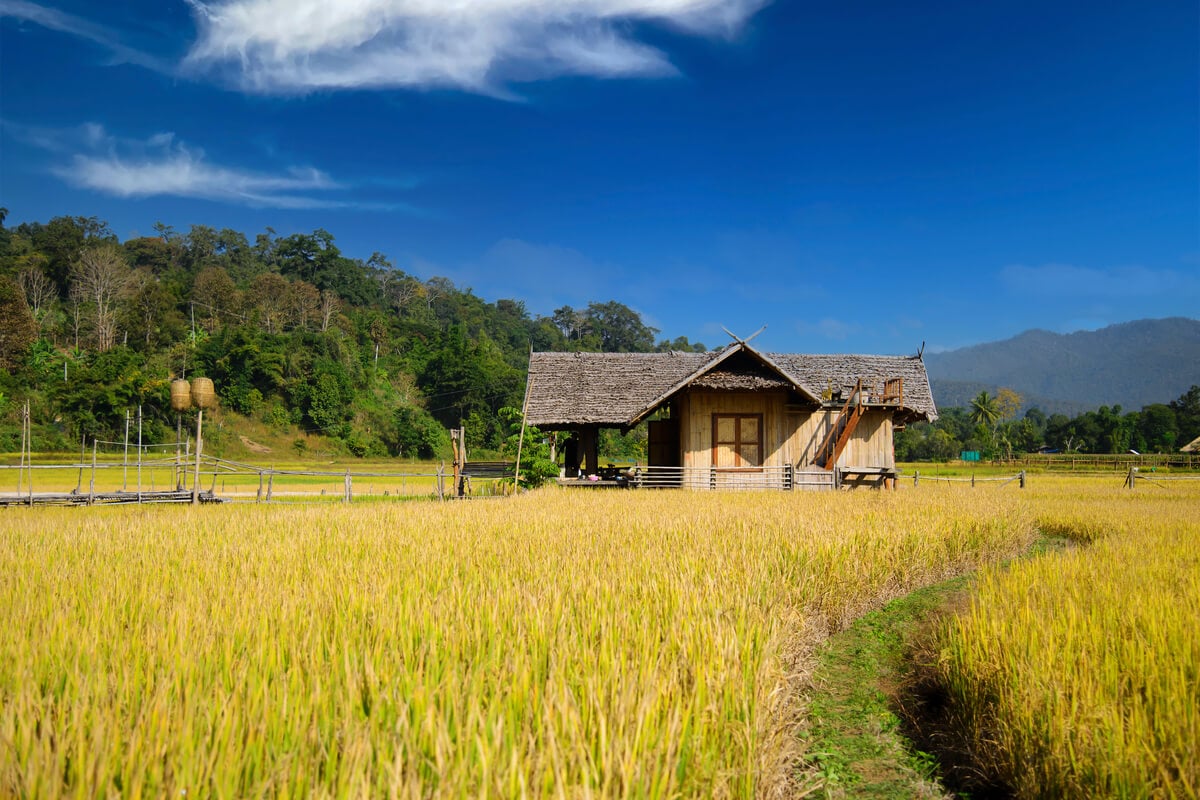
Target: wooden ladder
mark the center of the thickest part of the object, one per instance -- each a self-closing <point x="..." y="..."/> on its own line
<point x="843" y="428"/>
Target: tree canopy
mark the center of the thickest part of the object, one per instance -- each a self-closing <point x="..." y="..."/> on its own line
<point x="294" y="333"/>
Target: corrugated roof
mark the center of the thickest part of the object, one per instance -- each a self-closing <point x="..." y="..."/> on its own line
<point x="616" y="389"/>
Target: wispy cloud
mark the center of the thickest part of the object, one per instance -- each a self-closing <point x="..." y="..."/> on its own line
<point x="1065" y="280"/>
<point x="55" y="20"/>
<point x="828" y="328"/>
<point x="92" y="158"/>
<point x="295" y="46"/>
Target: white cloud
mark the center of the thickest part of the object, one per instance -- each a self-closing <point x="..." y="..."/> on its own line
<point x="55" y="20"/>
<point x="163" y="166"/>
<point x="287" y="46"/>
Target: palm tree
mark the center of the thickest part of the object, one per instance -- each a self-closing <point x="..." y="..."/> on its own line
<point x="983" y="410"/>
<point x="986" y="414"/>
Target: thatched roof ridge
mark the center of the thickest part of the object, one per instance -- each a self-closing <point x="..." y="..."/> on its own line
<point x="841" y="372"/>
<point x="618" y="389"/>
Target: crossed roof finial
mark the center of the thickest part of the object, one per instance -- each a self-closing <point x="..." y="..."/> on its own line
<point x="739" y="339"/>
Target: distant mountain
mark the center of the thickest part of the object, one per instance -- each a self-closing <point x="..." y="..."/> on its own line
<point x="1132" y="364"/>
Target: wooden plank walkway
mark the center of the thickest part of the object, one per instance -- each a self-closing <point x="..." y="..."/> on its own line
<point x="102" y="498"/>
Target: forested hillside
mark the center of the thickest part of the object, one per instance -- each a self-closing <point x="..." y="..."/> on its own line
<point x="294" y="334"/>
<point x="1131" y="364"/>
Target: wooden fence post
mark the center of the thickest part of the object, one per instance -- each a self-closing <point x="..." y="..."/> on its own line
<point x="270" y="486"/>
<point x="92" y="482"/>
<point x="125" y="459"/>
<point x="1021" y="483"/>
<point x="199" y="447"/>
<point x="916" y="478"/>
<point x="21" y="468"/>
<point x="139" y="464"/>
<point x="348" y="490"/>
<point x="82" y="455"/>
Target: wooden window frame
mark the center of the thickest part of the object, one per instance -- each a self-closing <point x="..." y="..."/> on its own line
<point x="737" y="444"/>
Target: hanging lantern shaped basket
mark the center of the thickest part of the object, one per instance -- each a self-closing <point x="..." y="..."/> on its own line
<point x="181" y="395"/>
<point x="203" y="394"/>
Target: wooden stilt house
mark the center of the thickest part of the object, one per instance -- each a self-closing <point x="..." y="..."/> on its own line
<point x="734" y="418"/>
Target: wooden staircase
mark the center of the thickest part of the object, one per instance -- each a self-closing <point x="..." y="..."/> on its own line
<point x="842" y="429"/>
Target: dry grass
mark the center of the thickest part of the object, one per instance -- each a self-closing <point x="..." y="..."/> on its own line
<point x="1078" y="674"/>
<point x="566" y="644"/>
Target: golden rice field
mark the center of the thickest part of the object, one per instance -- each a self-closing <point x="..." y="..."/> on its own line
<point x="1078" y="675"/>
<point x="565" y="644"/>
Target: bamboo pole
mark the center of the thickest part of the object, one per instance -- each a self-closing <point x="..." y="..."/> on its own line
<point x="92" y="482"/>
<point x="125" y="457"/>
<point x="199" y="446"/>
<point x="524" y="410"/>
<point x="24" y="443"/>
<point x="139" y="464"/>
<point x="179" y="474"/>
<point x="28" y="436"/>
<point x="82" y="455"/>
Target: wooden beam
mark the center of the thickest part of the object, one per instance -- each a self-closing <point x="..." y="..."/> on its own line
<point x="590" y="445"/>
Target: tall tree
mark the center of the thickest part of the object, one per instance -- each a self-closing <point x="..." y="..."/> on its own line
<point x="267" y="295"/>
<point x="617" y="328"/>
<point x="39" y="289"/>
<point x="61" y="239"/>
<point x="301" y="301"/>
<point x="150" y="310"/>
<point x="331" y="304"/>
<point x="1187" y="414"/>
<point x="984" y="410"/>
<point x="216" y="295"/>
<point x="19" y="330"/>
<point x="102" y="277"/>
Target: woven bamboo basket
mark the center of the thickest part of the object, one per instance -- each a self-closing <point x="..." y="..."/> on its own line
<point x="203" y="394"/>
<point x="181" y="395"/>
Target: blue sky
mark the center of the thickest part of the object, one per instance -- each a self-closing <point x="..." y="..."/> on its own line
<point x="857" y="176"/>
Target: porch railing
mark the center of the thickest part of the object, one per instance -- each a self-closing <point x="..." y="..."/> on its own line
<point x="785" y="478"/>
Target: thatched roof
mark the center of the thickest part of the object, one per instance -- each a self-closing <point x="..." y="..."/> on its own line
<point x="619" y="389"/>
<point x="1191" y="447"/>
<point x="842" y="371"/>
<point x="602" y="388"/>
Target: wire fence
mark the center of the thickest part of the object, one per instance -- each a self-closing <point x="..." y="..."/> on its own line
<point x="1136" y="476"/>
<point x="114" y="474"/>
<point x="1003" y="480"/>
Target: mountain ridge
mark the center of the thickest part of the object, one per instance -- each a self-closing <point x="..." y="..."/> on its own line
<point x="1131" y="364"/>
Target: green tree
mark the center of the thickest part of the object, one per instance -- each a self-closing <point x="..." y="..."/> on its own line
<point x="1187" y="415"/>
<point x="61" y="240"/>
<point x="19" y="330"/>
<point x="536" y="465"/>
<point x="417" y="434"/>
<point x="216" y="297"/>
<point x="617" y="328"/>
<point x="984" y="410"/>
<point x="1158" y="428"/>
